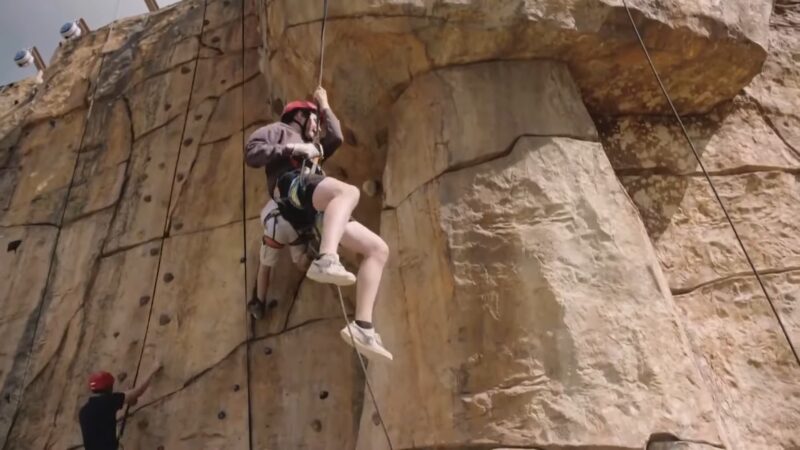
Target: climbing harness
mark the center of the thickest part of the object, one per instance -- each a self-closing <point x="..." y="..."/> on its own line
<point x="710" y="182"/>
<point x="308" y="234"/>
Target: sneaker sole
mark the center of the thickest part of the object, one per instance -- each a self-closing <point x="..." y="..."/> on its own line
<point x="368" y="352"/>
<point x="339" y="280"/>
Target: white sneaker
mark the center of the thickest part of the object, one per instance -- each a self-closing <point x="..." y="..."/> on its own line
<point x="328" y="269"/>
<point x="368" y="342"/>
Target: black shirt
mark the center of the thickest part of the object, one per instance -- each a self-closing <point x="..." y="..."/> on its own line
<point x="98" y="419"/>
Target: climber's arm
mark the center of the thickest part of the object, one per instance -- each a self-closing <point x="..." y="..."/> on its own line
<point x="333" y="130"/>
<point x="132" y="396"/>
<point x="266" y="144"/>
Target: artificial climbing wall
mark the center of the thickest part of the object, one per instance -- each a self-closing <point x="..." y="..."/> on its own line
<point x="560" y="275"/>
<point x="127" y="205"/>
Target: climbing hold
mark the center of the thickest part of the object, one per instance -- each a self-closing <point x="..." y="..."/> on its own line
<point x="198" y="116"/>
<point x="376" y="419"/>
<point x="242" y="259"/>
<point x="161" y="165"/>
<point x="143" y="300"/>
<point x="188" y="141"/>
<point x="178" y="226"/>
<point x="13" y="246"/>
<point x="147" y="198"/>
<point x="52" y="123"/>
<point x="226" y="3"/>
<point x="160" y="447"/>
<point x="122" y="376"/>
<point x="267" y="351"/>
<point x="371" y="187"/>
<point x="143" y="424"/>
<point x="179" y="177"/>
<point x="316" y="425"/>
<point x="116" y="334"/>
<point x="236" y="388"/>
<point x="154" y="252"/>
<point x="215" y="39"/>
<point x="272" y="304"/>
<point x="164" y="319"/>
<point x="168" y="277"/>
<point x="223" y="81"/>
<point x="16" y="102"/>
<point x="206" y="22"/>
<point x="185" y="70"/>
<point x="221" y="415"/>
<point x="323" y="395"/>
<point x="167" y="106"/>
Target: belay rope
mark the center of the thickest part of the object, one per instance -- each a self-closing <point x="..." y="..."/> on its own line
<point x="710" y="182"/>
<point x="339" y="289"/>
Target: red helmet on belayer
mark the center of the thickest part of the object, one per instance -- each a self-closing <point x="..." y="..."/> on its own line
<point x="101" y="381"/>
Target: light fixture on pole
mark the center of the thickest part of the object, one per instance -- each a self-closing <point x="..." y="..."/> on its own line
<point x="26" y="57"/>
<point x="74" y="30"/>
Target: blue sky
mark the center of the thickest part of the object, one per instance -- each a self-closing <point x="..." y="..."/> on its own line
<point x="25" y="23"/>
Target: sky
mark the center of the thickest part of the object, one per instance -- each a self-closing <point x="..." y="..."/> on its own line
<point x="25" y="23"/>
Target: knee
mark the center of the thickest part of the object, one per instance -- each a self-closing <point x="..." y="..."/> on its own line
<point x="342" y="189"/>
<point x="380" y="251"/>
<point x="351" y="192"/>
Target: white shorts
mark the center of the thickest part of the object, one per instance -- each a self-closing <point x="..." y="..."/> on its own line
<point x="281" y="232"/>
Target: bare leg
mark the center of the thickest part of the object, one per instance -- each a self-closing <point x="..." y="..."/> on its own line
<point x="360" y="239"/>
<point x="338" y="200"/>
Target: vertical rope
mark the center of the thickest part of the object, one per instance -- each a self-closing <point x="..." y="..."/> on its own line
<point x="249" y="324"/>
<point x="338" y="289"/>
<point x="165" y="228"/>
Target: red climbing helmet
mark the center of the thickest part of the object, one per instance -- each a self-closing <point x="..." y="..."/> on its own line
<point x="298" y="105"/>
<point x="101" y="381"/>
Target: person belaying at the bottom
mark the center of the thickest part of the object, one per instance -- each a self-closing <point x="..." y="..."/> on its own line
<point x="98" y="417"/>
<point x="279" y="234"/>
<point x="281" y="148"/>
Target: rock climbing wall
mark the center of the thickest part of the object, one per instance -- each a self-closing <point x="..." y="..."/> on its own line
<point x="561" y="275"/>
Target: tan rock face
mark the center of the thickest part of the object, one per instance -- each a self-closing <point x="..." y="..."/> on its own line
<point x="749" y="145"/>
<point x="524" y="301"/>
<point x="517" y="299"/>
<point x="593" y="36"/>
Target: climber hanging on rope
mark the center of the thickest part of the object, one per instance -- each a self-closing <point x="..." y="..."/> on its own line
<point x="279" y="234"/>
<point x="286" y="149"/>
<point x="98" y="417"/>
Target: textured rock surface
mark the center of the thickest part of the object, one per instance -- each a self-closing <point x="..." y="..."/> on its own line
<point x="522" y="287"/>
<point x="750" y="146"/>
<point x="524" y="302"/>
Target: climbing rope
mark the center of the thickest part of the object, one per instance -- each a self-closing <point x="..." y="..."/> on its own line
<point x="710" y="182"/>
<point x="164" y="233"/>
<point x="322" y="41"/>
<point x="338" y="289"/>
<point x="364" y="369"/>
<point x="250" y="326"/>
